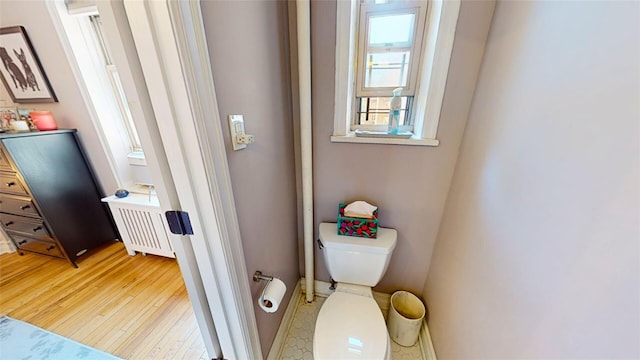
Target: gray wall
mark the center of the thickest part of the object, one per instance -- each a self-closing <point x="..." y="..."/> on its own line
<point x="248" y="48"/>
<point x="537" y="255"/>
<point x="70" y="111"/>
<point x="408" y="183"/>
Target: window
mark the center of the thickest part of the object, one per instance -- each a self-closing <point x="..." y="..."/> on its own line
<point x="384" y="45"/>
<point x="85" y="39"/>
<point x="388" y="57"/>
<point x="116" y="86"/>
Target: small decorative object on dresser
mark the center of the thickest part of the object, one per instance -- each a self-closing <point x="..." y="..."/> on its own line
<point x="8" y="115"/>
<point x="43" y="120"/>
<point x="24" y="116"/>
<point x="49" y="200"/>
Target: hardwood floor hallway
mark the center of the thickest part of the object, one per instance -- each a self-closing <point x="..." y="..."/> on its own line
<point x="134" y="307"/>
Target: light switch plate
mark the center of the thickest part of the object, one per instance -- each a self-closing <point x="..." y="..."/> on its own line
<point x="236" y="127"/>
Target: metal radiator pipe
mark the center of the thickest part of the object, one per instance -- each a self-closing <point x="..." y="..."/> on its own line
<point x="304" y="89"/>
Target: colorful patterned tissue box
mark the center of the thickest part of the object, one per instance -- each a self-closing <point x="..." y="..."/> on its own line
<point x="361" y="227"/>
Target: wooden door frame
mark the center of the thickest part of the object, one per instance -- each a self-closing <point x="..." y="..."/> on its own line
<point x="172" y="49"/>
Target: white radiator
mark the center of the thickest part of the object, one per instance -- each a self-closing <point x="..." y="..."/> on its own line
<point x="140" y="223"/>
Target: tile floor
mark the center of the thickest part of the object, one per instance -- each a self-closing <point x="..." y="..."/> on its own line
<point x="298" y="343"/>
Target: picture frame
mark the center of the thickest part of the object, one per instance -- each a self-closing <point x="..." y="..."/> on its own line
<point x="7" y="116"/>
<point x="24" y="115"/>
<point x="21" y="71"/>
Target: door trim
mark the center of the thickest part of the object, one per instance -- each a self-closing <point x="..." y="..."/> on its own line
<point x="132" y="77"/>
<point x="173" y="52"/>
<point x="177" y="117"/>
<point x="196" y="67"/>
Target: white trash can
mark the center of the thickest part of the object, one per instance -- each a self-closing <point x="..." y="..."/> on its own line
<point x="406" y="312"/>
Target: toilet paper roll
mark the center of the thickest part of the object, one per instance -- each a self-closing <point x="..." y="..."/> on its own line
<point x="272" y="295"/>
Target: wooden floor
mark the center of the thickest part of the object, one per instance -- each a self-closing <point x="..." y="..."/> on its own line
<point x="135" y="307"/>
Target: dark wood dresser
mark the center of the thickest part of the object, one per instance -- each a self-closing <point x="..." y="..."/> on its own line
<point x="49" y="200"/>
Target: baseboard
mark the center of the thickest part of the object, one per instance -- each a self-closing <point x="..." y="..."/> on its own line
<point x="426" y="345"/>
<point x="321" y="288"/>
<point x="285" y="324"/>
<point x="383" y="300"/>
<point x="6" y="246"/>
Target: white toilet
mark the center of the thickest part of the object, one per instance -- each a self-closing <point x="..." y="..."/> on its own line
<point x="350" y="324"/>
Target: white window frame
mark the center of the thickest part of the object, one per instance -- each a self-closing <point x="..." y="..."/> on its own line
<point x="442" y="17"/>
<point x="366" y="11"/>
<point x="109" y="109"/>
<point x="116" y="86"/>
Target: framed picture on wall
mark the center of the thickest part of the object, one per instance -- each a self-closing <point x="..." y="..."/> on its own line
<point x="21" y="71"/>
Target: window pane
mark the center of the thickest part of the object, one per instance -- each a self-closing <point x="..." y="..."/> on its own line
<point x="96" y="22"/>
<point x="375" y="111"/>
<point x="391" y="30"/>
<point x="116" y="85"/>
<point x="387" y="69"/>
<point x="124" y="108"/>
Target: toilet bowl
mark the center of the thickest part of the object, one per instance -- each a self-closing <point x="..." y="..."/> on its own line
<point x="350" y="324"/>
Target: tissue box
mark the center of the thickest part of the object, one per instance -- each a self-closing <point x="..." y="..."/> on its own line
<point x="361" y="227"/>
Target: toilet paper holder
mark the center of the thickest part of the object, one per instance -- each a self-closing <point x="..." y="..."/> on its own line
<point x="257" y="276"/>
<point x="272" y="293"/>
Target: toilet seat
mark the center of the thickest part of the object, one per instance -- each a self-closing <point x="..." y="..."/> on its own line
<point x="350" y="326"/>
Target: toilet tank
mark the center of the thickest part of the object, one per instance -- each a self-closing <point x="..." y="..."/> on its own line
<point x="356" y="260"/>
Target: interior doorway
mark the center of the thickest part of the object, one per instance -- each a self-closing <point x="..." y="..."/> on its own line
<point x="160" y="53"/>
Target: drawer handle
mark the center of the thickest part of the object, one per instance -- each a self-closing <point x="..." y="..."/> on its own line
<point x="11" y="183"/>
<point x="25" y="207"/>
<point x="51" y="248"/>
<point x="37" y="228"/>
<point x="8" y="223"/>
<point x="22" y="242"/>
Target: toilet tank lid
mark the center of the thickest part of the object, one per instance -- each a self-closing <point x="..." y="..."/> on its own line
<point x="383" y="244"/>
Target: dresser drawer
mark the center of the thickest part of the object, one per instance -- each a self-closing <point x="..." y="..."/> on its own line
<point x="24" y="225"/>
<point x="40" y="246"/>
<point x="18" y="205"/>
<point x="4" y="162"/>
<point x="9" y="183"/>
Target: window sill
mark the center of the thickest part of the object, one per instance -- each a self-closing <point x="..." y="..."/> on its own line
<point x="416" y="141"/>
<point x="135" y="199"/>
